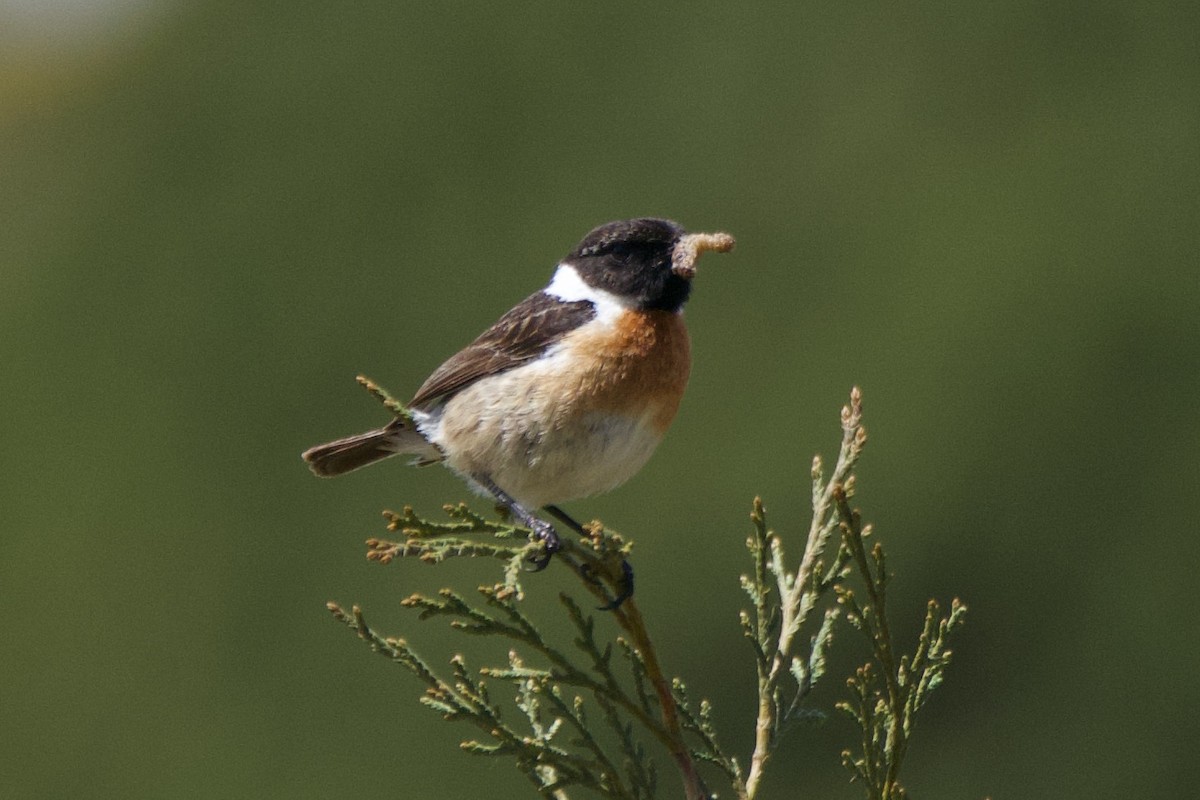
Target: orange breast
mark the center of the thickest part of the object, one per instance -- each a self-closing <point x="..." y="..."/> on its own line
<point x="640" y="364"/>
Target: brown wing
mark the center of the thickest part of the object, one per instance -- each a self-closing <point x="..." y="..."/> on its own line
<point x="523" y="334"/>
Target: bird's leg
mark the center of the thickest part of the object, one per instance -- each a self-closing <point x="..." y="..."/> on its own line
<point x="542" y="530"/>
<point x="626" y="590"/>
<point x="566" y="519"/>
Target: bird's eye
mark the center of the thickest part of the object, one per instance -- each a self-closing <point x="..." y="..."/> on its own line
<point x="620" y="250"/>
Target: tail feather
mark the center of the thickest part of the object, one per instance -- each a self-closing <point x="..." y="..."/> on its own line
<point x="353" y="452"/>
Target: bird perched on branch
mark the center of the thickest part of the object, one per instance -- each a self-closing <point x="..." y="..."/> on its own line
<point x="570" y="392"/>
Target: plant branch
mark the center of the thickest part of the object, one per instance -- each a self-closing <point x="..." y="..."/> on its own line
<point x="798" y="592"/>
<point x="885" y="713"/>
<point x="559" y="742"/>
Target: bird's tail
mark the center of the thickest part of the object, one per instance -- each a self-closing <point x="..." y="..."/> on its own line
<point x="344" y="455"/>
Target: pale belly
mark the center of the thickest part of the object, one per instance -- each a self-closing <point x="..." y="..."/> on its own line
<point x="536" y="446"/>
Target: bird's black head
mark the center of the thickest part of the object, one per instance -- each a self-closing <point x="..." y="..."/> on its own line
<point x="634" y="259"/>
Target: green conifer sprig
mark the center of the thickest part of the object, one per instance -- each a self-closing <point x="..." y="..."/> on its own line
<point x="700" y="725"/>
<point x="463" y="537"/>
<point x="784" y="599"/>
<point x="616" y="765"/>
<point x="580" y="708"/>
<point x="887" y="691"/>
<point x="383" y="396"/>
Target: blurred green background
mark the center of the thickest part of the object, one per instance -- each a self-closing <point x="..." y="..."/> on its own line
<point x="215" y="214"/>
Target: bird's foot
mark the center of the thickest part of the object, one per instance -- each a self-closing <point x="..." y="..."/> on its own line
<point x="544" y="532"/>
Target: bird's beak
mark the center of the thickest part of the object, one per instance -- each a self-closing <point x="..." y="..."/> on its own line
<point x="689" y="248"/>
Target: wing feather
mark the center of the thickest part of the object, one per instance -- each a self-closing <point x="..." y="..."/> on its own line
<point x="521" y="335"/>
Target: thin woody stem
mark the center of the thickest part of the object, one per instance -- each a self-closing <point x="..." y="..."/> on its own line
<point x="796" y="591"/>
<point x="629" y="618"/>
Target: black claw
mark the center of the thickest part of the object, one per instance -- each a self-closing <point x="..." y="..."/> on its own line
<point x="626" y="588"/>
<point x="539" y="561"/>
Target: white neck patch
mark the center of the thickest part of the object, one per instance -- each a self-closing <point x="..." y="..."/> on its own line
<point x="567" y="285"/>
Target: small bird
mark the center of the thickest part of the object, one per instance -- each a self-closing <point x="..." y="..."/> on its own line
<point x="570" y="392"/>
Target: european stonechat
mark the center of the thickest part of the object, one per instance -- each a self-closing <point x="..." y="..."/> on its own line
<point x="570" y="392"/>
